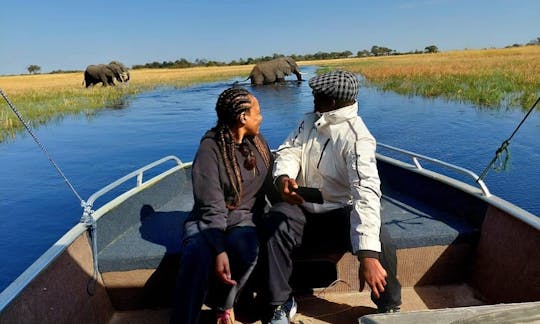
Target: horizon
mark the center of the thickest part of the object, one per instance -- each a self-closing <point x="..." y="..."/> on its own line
<point x="57" y="36"/>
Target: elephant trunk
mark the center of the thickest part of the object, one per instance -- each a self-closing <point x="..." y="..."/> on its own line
<point x="298" y="75"/>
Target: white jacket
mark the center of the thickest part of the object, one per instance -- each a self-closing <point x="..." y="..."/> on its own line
<point x="335" y="152"/>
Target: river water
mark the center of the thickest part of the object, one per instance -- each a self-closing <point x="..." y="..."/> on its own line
<point x="37" y="207"/>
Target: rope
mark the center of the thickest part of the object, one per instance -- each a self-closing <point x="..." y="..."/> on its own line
<point x="86" y="218"/>
<point x="41" y="146"/>
<point x="502" y="155"/>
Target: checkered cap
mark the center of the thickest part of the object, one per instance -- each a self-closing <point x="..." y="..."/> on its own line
<point x="341" y="85"/>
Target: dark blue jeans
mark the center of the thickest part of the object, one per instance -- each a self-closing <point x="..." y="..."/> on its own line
<point x="197" y="282"/>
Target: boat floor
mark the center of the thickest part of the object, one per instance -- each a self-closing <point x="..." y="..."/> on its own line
<point x="328" y="307"/>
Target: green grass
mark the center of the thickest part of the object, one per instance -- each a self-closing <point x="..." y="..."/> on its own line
<point x="38" y="107"/>
<point x="499" y="78"/>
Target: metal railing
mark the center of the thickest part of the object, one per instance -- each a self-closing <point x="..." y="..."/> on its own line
<point x="137" y="173"/>
<point x="416" y="161"/>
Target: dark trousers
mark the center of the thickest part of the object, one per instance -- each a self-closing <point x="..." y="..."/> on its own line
<point x="287" y="227"/>
<point x="197" y="282"/>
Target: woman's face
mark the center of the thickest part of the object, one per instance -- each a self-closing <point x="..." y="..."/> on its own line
<point x="253" y="117"/>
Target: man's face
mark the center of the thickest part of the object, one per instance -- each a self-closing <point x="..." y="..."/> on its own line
<point x="323" y="103"/>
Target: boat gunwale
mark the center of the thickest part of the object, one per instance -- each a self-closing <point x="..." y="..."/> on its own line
<point x="15" y="288"/>
<point x="493" y="200"/>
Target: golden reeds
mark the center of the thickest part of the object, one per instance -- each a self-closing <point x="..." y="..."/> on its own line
<point x="488" y="78"/>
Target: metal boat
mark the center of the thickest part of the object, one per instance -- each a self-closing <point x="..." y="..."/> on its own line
<point x="463" y="253"/>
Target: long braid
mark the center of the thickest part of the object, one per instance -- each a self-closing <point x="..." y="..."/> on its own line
<point x="263" y="150"/>
<point x="230" y="104"/>
<point x="227" y="153"/>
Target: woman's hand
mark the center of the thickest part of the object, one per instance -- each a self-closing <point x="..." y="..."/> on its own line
<point x="223" y="271"/>
<point x="285" y="187"/>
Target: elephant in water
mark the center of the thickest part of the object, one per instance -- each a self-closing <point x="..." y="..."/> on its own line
<point x="105" y="74"/>
<point x="274" y="71"/>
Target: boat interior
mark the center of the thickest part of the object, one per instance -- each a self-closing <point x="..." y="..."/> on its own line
<point x="456" y="248"/>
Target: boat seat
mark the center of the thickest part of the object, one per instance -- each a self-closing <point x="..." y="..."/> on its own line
<point x="156" y="235"/>
<point x="423" y="225"/>
<point x="436" y="233"/>
<point x="146" y="227"/>
<point x="145" y="244"/>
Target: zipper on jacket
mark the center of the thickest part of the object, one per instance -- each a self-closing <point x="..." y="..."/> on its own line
<point x="322" y="152"/>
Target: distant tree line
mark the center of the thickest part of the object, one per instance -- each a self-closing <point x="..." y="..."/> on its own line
<point x="375" y="51"/>
<point x="532" y="42"/>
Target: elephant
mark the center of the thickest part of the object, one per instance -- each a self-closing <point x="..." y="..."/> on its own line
<point x="105" y="74"/>
<point x="274" y="71"/>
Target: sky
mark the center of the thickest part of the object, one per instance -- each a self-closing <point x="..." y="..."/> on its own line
<point x="71" y="34"/>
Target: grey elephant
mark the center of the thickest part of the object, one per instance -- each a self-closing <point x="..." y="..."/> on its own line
<point x="106" y="74"/>
<point x="274" y="71"/>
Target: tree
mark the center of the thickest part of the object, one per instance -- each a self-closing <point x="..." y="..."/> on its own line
<point x="33" y="69"/>
<point x="346" y="54"/>
<point x="363" y="53"/>
<point x="380" y="50"/>
<point x="432" y="49"/>
<point x="534" y="41"/>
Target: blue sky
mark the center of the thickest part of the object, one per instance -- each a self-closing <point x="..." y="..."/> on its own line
<point x="69" y="35"/>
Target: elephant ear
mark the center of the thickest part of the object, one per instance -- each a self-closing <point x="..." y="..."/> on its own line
<point x="284" y="67"/>
<point x="119" y="64"/>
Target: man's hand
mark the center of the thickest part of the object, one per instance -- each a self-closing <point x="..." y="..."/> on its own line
<point x="285" y="187"/>
<point x="223" y="271"/>
<point x="374" y="274"/>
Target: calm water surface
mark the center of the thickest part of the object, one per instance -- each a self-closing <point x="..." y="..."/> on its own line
<point x="37" y="207"/>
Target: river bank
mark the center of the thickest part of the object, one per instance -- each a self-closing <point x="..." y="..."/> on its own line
<point x="493" y="78"/>
<point x="41" y="98"/>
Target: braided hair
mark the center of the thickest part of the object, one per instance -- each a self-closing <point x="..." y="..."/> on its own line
<point x="231" y="103"/>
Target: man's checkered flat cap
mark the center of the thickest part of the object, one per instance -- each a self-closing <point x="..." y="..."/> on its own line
<point x="340" y="85"/>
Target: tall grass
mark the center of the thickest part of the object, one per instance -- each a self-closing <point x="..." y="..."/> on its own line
<point x="41" y="98"/>
<point x="487" y="78"/>
<point x="492" y="78"/>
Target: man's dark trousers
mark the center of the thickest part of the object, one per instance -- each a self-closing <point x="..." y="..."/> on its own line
<point x="286" y="227"/>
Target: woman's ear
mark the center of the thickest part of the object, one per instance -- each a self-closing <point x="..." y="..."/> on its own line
<point x="243" y="118"/>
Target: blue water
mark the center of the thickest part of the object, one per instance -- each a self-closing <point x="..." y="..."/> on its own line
<point x="37" y="207"/>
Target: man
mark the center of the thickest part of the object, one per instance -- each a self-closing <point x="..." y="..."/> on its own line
<point x="331" y="149"/>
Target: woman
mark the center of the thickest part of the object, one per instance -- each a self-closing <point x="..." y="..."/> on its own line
<point x="230" y="176"/>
